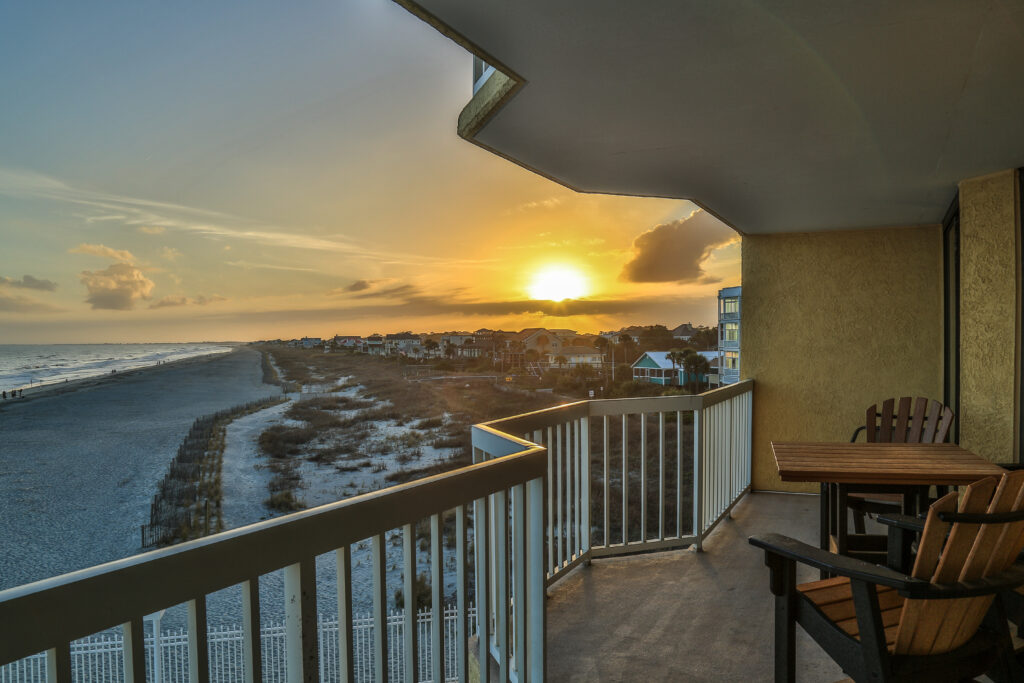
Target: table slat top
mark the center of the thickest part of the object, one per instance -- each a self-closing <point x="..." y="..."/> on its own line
<point x="881" y="463"/>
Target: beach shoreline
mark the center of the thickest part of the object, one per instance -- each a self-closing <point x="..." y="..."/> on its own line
<point x="71" y="386"/>
<point x="79" y="463"/>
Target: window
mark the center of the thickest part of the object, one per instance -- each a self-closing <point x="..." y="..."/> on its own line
<point x="731" y="305"/>
<point x="732" y="360"/>
<point x="731" y="332"/>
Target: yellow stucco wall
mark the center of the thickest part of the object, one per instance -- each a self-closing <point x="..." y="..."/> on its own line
<point x="832" y="323"/>
<point x="989" y="315"/>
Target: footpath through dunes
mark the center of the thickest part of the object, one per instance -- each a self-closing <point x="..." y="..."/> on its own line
<point x="78" y="469"/>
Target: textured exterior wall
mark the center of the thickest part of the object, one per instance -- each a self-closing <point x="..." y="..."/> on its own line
<point x="832" y="323"/>
<point x="989" y="315"/>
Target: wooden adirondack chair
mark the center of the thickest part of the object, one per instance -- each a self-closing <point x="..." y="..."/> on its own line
<point x="928" y="423"/>
<point x="944" y="622"/>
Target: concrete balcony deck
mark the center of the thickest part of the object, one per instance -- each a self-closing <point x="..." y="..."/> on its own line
<point x="681" y="615"/>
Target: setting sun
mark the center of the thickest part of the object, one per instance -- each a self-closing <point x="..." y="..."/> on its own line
<point x="556" y="283"/>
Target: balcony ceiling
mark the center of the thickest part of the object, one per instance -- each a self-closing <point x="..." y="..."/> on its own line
<point x="778" y="116"/>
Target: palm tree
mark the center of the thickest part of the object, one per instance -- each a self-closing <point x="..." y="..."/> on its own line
<point x="695" y="364"/>
<point x="690" y="364"/>
<point x="627" y="343"/>
<point x="676" y="357"/>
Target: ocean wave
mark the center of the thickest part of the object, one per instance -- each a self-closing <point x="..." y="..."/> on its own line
<point x="23" y="366"/>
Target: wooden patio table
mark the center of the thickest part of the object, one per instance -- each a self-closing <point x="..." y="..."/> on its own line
<point x="844" y="468"/>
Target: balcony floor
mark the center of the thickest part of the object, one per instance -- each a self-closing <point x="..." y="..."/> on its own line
<point x="681" y="615"/>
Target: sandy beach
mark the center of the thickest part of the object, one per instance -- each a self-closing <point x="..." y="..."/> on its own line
<point x="45" y="390"/>
<point x="79" y="462"/>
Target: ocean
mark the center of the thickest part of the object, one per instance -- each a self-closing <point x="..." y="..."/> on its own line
<point x="23" y="366"/>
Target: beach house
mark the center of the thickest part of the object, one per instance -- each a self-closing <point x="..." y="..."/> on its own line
<point x="576" y="356"/>
<point x="867" y="155"/>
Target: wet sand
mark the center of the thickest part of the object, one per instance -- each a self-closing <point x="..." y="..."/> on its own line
<point x="45" y="390"/>
<point x="79" y="462"/>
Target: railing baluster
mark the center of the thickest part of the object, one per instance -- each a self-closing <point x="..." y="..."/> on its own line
<point x="625" y="485"/>
<point x="301" y="621"/>
<point x="607" y="470"/>
<point x="58" y="664"/>
<point x="346" y="658"/>
<point x="461" y="613"/>
<point x="437" y="598"/>
<point x="558" y="473"/>
<point x="578" y="500"/>
<point x="380" y="617"/>
<point x="679" y="473"/>
<point x="198" y="649"/>
<point x="585" y="483"/>
<point x="570" y="492"/>
<point x="661" y="475"/>
<point x="483" y="616"/>
<point x="251" y="643"/>
<point x="411" y="600"/>
<point x="535" y="589"/>
<point x="501" y="587"/>
<point x="519" y="577"/>
<point x="723" y="458"/>
<point x="551" y="504"/>
<point x="698" y="473"/>
<point x="643" y="477"/>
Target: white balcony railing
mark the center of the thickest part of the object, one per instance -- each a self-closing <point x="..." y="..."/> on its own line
<point x="589" y="479"/>
<point x="637" y="474"/>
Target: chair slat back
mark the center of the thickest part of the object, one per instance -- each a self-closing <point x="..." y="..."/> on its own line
<point x="968" y="552"/>
<point x="885" y="433"/>
<point x="909" y="421"/>
<point x="917" y="425"/>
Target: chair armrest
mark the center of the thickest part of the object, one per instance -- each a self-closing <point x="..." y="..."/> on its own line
<point x="857" y="432"/>
<point x="1011" y="578"/>
<point x="859" y="570"/>
<point x="907" y="522"/>
<point x="840" y="565"/>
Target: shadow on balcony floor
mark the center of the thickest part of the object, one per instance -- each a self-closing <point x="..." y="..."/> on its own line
<point x="680" y="615"/>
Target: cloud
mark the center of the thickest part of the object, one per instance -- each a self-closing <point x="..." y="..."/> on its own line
<point x="549" y="203"/>
<point x="395" y="292"/>
<point x="121" y="255"/>
<point x="201" y="300"/>
<point x="267" y="266"/>
<point x="116" y="288"/>
<point x="170" y="253"/>
<point x="145" y="213"/>
<point x="674" y="252"/>
<point x="169" y="301"/>
<point x="652" y="308"/>
<point x="29" y="282"/>
<point x="15" y="303"/>
<point x="359" y="285"/>
<point x="147" y="229"/>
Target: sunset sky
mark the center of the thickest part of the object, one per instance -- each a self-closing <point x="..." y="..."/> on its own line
<point x="213" y="171"/>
